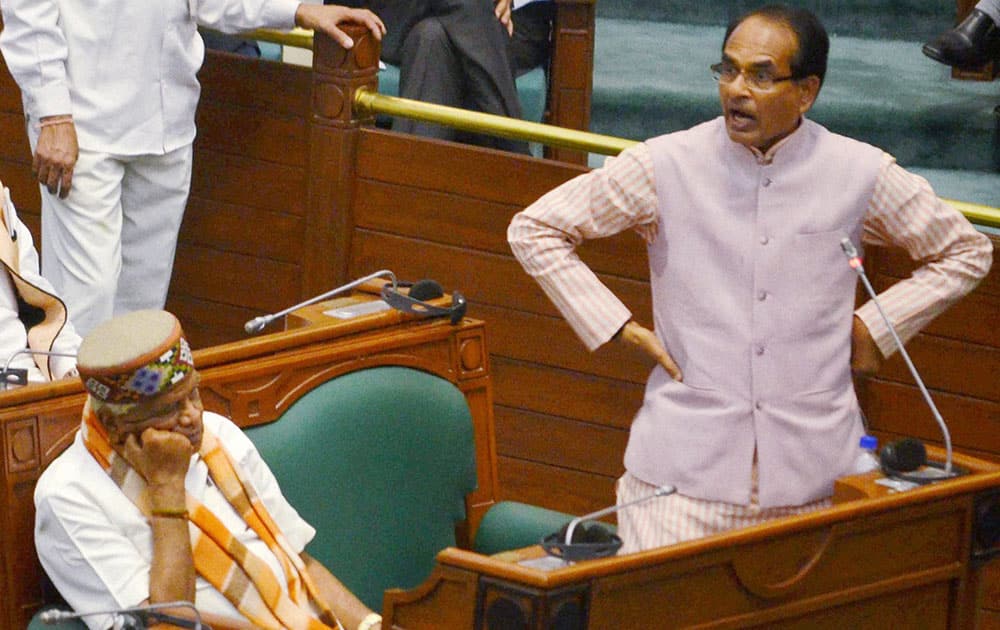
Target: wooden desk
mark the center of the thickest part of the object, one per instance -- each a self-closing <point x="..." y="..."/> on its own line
<point x="875" y="559"/>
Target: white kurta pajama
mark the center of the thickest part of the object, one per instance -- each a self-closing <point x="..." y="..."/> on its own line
<point x="126" y="71"/>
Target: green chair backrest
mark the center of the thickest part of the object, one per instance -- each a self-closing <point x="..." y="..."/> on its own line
<point x="379" y="461"/>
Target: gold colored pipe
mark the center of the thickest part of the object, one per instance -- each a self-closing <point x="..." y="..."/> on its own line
<point x="296" y="38"/>
<point x="372" y="102"/>
<point x="978" y="214"/>
<point x="491" y="124"/>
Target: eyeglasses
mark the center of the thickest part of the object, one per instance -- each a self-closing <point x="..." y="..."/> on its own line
<point x="759" y="79"/>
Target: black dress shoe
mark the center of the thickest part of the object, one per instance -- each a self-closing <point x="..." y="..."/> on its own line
<point x="972" y="43"/>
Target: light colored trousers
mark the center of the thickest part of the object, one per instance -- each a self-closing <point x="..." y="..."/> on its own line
<point x="108" y="248"/>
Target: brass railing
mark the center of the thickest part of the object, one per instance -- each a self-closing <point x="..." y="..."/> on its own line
<point x="297" y="37"/>
<point x="514" y="129"/>
<point x="478" y="122"/>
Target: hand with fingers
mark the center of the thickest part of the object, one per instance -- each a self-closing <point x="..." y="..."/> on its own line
<point x="161" y="457"/>
<point x="646" y="340"/>
<point x="329" y="18"/>
<point x="56" y="153"/>
<point x="503" y="9"/>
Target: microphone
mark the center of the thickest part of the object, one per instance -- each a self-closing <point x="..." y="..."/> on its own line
<point x="19" y="376"/>
<point x="143" y="614"/>
<point x="257" y="324"/>
<point x="415" y="301"/>
<point x="596" y="542"/>
<point x="909" y="455"/>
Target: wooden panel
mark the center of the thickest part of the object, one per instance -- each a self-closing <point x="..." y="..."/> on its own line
<point x="554" y="488"/>
<point x="483" y="277"/>
<point x="252" y="133"/>
<point x="565" y="393"/>
<point x="450" y="219"/>
<point x="14" y="137"/>
<point x="235" y="279"/>
<point x="550" y="341"/>
<point x="223" y="226"/>
<point x="556" y="441"/>
<point x="10" y="94"/>
<point x="421" y="163"/>
<point x="279" y="88"/>
<point x="25" y="193"/>
<point x="208" y="323"/>
<point x="246" y="182"/>
<point x="899" y="408"/>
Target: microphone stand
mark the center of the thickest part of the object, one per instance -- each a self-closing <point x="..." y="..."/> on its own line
<point x="21" y="375"/>
<point x="662" y="491"/>
<point x="855" y="261"/>
<point x="257" y="324"/>
<point x="143" y="613"/>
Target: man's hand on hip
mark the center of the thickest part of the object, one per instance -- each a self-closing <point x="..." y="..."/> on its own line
<point x="866" y="358"/>
<point x="646" y="340"/>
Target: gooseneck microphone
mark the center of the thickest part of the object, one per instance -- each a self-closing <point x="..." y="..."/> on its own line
<point x="415" y="300"/>
<point x="908" y="451"/>
<point x="257" y="324"/>
<point x="142" y="614"/>
<point x="593" y="545"/>
<point x="19" y="376"/>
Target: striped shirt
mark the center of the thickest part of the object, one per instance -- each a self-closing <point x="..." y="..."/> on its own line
<point x="903" y="212"/>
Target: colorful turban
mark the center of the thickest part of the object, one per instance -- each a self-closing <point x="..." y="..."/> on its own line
<point x="134" y="357"/>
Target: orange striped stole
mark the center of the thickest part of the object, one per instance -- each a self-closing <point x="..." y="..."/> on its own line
<point x="219" y="557"/>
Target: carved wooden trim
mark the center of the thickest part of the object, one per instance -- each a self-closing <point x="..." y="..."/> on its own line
<point x="22" y="453"/>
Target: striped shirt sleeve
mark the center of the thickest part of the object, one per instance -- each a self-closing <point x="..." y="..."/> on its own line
<point x="603" y="202"/>
<point x="904" y="212"/>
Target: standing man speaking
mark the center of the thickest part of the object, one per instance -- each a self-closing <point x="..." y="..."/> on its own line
<point x="751" y="412"/>
<point x="110" y="92"/>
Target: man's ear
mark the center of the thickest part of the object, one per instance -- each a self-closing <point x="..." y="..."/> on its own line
<point x="808" y="91"/>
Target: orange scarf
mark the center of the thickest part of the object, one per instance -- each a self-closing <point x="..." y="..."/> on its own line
<point x="219" y="557"/>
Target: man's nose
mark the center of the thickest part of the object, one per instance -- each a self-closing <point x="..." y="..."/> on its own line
<point x="188" y="412"/>
<point x="738" y="86"/>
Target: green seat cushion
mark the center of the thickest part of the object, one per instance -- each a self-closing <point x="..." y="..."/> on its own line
<point x="379" y="461"/>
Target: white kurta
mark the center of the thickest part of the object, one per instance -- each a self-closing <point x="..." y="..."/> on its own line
<point x="97" y="547"/>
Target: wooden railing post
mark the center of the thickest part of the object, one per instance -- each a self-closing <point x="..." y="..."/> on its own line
<point x="333" y="136"/>
<point x="571" y="73"/>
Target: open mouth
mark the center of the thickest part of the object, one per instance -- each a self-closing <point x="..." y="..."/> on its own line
<point x="740" y="119"/>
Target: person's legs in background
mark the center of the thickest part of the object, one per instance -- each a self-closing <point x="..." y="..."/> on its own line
<point x="154" y="196"/>
<point x="973" y="42"/>
<point x="81" y="236"/>
<point x="531" y="44"/>
<point x="429" y="72"/>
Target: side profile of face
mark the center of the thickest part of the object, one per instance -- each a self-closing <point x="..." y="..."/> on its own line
<point x="757" y="117"/>
<point x="178" y="410"/>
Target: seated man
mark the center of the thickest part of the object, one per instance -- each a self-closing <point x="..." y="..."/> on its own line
<point x="973" y="42"/>
<point x="156" y="501"/>
<point x="33" y="320"/>
<point x="464" y="53"/>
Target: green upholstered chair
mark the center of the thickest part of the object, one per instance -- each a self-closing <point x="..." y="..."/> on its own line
<point x="379" y="461"/>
